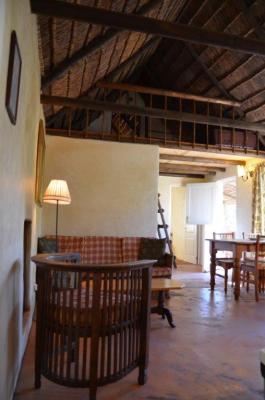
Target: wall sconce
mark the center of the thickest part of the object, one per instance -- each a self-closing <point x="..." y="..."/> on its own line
<point x="244" y="172"/>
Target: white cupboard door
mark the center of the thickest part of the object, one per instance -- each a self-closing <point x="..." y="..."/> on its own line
<point x="201" y="203"/>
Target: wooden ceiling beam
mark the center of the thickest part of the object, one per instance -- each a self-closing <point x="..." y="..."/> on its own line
<point x="99" y="16"/>
<point x="192" y="159"/>
<point x="94" y="45"/>
<point x="185" y="167"/>
<point x="218" y="7"/>
<point x="209" y="74"/>
<point x="179" y="169"/>
<point x="181" y="175"/>
<point x="169" y="93"/>
<point x="152" y="112"/>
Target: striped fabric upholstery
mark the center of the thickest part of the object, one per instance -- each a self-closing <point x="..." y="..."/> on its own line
<point x="107" y="250"/>
<point x="161" y="272"/>
<point x="130" y="248"/>
<point x="102" y="249"/>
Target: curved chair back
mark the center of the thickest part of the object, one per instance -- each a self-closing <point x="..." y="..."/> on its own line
<point x="92" y="320"/>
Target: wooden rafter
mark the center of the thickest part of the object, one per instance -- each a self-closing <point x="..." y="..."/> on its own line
<point x="210" y="75"/>
<point x="94" y="45"/>
<point x="192" y="159"/>
<point x="260" y="32"/>
<point x="254" y="26"/>
<point x="152" y="112"/>
<point x="163" y="92"/>
<point x="59" y="9"/>
<point x="191" y="167"/>
<point x="219" y="7"/>
<point x="219" y="57"/>
<point x="173" y="168"/>
<point x="180" y="175"/>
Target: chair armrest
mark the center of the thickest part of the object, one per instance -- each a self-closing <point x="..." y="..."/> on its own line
<point x="165" y="261"/>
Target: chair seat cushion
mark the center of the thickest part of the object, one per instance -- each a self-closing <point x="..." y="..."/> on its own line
<point x="225" y="262"/>
<point x="161" y="272"/>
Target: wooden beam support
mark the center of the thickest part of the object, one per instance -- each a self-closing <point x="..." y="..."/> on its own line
<point x="181" y="175"/>
<point x="192" y="159"/>
<point x="94" y="45"/>
<point x="180" y="171"/>
<point x="189" y="168"/>
<point x="118" y="20"/>
<point x="153" y="112"/>
<point x="209" y="74"/>
<point x="169" y="93"/>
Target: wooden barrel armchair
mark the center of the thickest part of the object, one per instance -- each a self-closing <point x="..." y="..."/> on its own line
<point x="92" y="321"/>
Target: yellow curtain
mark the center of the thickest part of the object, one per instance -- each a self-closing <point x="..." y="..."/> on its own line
<point x="258" y="203"/>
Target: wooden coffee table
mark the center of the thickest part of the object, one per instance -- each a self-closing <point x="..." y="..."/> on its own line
<point x="162" y="286"/>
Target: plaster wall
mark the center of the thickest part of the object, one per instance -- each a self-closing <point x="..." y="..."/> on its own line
<point x="113" y="187"/>
<point x="17" y="179"/>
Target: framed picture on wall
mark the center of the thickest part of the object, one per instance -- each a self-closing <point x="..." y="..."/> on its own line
<point x="40" y="162"/>
<point x="13" y="79"/>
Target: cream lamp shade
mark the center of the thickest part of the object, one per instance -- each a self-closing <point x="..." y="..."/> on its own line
<point x="57" y="192"/>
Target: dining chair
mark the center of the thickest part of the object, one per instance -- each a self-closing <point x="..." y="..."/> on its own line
<point x="247" y="254"/>
<point x="225" y="259"/>
<point x="253" y="266"/>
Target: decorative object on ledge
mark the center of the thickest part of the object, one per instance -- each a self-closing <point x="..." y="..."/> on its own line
<point x="57" y="193"/>
<point x="41" y="148"/>
<point x="244" y="172"/>
<point x="13" y="79"/>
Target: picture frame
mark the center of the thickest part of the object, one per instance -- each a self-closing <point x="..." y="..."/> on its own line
<point x="40" y="164"/>
<point x="13" y="79"/>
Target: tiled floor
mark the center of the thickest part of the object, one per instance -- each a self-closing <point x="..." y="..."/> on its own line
<point x="212" y="354"/>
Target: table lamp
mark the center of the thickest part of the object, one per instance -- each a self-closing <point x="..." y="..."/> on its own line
<point x="57" y="193"/>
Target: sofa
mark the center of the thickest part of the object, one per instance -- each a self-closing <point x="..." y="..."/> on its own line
<point x="112" y="249"/>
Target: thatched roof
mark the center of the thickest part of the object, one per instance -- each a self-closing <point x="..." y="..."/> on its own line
<point x="61" y="39"/>
<point x="239" y="76"/>
<point x="76" y="55"/>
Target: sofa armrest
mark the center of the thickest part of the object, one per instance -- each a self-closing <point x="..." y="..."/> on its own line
<point x="165" y="261"/>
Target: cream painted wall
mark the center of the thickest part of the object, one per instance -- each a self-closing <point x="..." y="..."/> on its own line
<point x="113" y="187"/>
<point x="17" y="177"/>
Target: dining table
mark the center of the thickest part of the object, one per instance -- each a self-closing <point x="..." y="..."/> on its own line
<point x="237" y="247"/>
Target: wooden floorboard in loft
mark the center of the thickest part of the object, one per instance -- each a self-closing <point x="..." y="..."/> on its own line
<point x="212" y="354"/>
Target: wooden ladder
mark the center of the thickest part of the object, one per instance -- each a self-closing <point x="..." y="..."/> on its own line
<point x="164" y="227"/>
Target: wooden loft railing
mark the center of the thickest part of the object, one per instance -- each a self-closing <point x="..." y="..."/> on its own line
<point x="167" y="118"/>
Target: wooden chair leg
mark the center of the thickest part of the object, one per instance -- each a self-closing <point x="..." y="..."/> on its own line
<point x="256" y="280"/>
<point x="226" y="279"/>
<point x="92" y="393"/>
<point x="243" y="278"/>
<point x="247" y="281"/>
<point x="233" y="277"/>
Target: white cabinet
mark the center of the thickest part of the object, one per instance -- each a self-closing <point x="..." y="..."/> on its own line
<point x="202" y="200"/>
